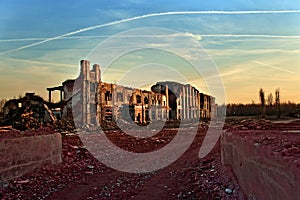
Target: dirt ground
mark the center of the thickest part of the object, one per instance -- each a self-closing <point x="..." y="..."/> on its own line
<point x="81" y="176"/>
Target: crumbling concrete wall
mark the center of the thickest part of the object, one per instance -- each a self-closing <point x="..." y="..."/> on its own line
<point x="260" y="173"/>
<point x="90" y="80"/>
<point x="186" y="102"/>
<point x="81" y="99"/>
<point x="150" y="106"/>
<point x="22" y="155"/>
<point x="117" y="101"/>
<point x="66" y="108"/>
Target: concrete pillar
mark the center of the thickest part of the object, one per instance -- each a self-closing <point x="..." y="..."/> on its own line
<point x="177" y="111"/>
<point x="151" y="106"/>
<point x="88" y="103"/>
<point x="85" y="73"/>
<point x="188" y="106"/>
<point x="114" y="94"/>
<point x="143" y="110"/>
<point x="183" y="103"/>
<point x="96" y="69"/>
<point x="213" y="107"/>
<point x="85" y="69"/>
<point x="99" y="104"/>
<point x="61" y="95"/>
<point x="149" y="100"/>
<point x="193" y="96"/>
<point x="190" y="102"/>
<point x="124" y="95"/>
<point x="167" y="96"/>
<point x="133" y="97"/>
<point x="49" y="96"/>
<point x="83" y="92"/>
<point x="198" y="105"/>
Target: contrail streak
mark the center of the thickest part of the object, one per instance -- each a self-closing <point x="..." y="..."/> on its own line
<point x="21" y="39"/>
<point x="152" y="15"/>
<point x="273" y="67"/>
<point x="202" y="35"/>
<point x="254" y="35"/>
<point x="96" y="36"/>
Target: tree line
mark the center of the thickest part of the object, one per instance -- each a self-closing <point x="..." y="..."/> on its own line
<point x="268" y="106"/>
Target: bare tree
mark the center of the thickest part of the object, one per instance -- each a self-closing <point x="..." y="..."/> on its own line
<point x="277" y="102"/>
<point x="262" y="101"/>
<point x="270" y="99"/>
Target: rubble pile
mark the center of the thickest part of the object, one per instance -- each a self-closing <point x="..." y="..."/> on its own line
<point x="249" y="124"/>
<point x="108" y="125"/>
<point x="65" y="126"/>
<point x="29" y="112"/>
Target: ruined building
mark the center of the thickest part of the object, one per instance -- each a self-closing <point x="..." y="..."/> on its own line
<point x="90" y="101"/>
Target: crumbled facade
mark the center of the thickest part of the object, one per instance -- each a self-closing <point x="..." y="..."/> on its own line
<point x="90" y="101"/>
<point x="117" y="101"/>
<point x="186" y="102"/>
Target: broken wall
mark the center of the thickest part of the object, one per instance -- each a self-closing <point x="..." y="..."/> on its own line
<point x="22" y="155"/>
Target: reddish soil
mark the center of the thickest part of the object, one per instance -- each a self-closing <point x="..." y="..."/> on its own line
<point x="81" y="176"/>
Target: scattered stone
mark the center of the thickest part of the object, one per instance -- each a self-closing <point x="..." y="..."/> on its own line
<point x="228" y="191"/>
<point x="22" y="181"/>
<point x="90" y="166"/>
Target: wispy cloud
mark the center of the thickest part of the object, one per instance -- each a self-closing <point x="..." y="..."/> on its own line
<point x="153" y="15"/>
<point x="194" y="36"/>
<point x="274" y="67"/>
<point x="233" y="72"/>
<point x="39" y="62"/>
<point x="245" y="52"/>
<point x="230" y="73"/>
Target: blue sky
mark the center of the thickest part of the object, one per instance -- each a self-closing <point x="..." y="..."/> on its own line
<point x="250" y="50"/>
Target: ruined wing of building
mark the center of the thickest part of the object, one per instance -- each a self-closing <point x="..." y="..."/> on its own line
<point x="90" y="101"/>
